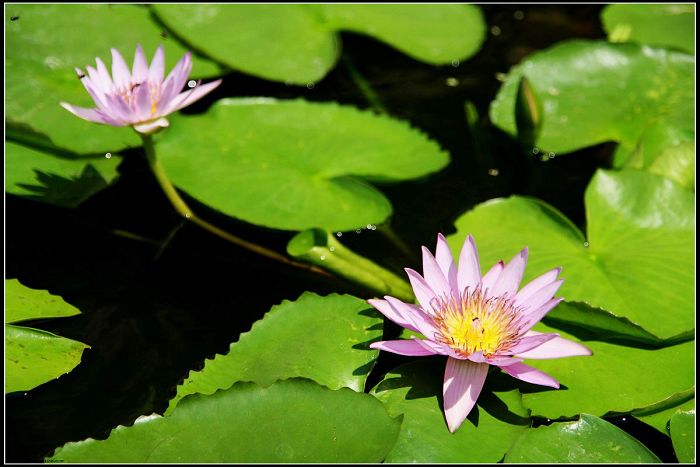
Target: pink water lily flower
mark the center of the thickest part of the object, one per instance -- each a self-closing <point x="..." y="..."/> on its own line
<point x="477" y="321"/>
<point x="140" y="98"/>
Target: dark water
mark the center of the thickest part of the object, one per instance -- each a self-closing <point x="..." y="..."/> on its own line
<point x="151" y="312"/>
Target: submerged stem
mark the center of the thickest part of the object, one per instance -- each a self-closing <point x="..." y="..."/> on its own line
<point x="364" y="86"/>
<point x="184" y="210"/>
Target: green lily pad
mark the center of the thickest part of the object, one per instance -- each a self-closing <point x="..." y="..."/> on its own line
<point x="415" y="390"/>
<point x="57" y="180"/>
<point x="664" y="24"/>
<point x="34" y="357"/>
<point x="603" y="324"/>
<point x="660" y="418"/>
<point x="593" y="92"/>
<point x="678" y="164"/>
<point x="614" y="380"/>
<point x="589" y="440"/>
<point x="436" y="34"/>
<point x="23" y="303"/>
<point x="683" y="436"/>
<point x="290" y="421"/>
<point x="299" y="44"/>
<point x="325" y="339"/>
<point x="637" y="261"/>
<point x="293" y="164"/>
<point x="45" y="45"/>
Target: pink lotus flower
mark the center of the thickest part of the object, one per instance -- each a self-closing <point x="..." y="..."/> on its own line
<point x="140" y="98"/>
<point x="477" y="321"/>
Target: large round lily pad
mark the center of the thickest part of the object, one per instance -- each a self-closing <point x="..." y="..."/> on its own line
<point x="290" y="421"/>
<point x="593" y="92"/>
<point x="299" y="43"/>
<point x="325" y="339"/>
<point x="636" y="260"/>
<point x="294" y="164"/>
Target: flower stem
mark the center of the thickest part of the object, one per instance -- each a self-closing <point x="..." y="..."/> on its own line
<point x="184" y="210"/>
<point x="364" y="86"/>
<point x="318" y="247"/>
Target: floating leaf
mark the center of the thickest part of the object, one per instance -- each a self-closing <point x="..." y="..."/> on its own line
<point x="325" y="339"/>
<point x="299" y="43"/>
<point x="678" y="164"/>
<point x="603" y="324"/>
<point x="294" y="164"/>
<point x="662" y="24"/>
<point x="637" y="261"/>
<point x="290" y="421"/>
<point x="45" y="177"/>
<point x="589" y="440"/>
<point x="683" y="436"/>
<point x="45" y="46"/>
<point x="436" y="34"/>
<point x="611" y="380"/>
<point x="593" y="92"/>
<point x="33" y="357"/>
<point x="415" y="390"/>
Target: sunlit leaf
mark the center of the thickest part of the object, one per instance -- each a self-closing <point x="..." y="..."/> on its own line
<point x="325" y="339"/>
<point x="415" y="390"/>
<point x="294" y="164"/>
<point x="593" y="92"/>
<point x="47" y="43"/>
<point x="615" y="379"/>
<point x="683" y="435"/>
<point x="636" y="260"/>
<point x="33" y="357"/>
<point x="663" y="24"/>
<point x="290" y="421"/>
<point x="439" y="34"/>
<point x="590" y="440"/>
<point x="299" y="43"/>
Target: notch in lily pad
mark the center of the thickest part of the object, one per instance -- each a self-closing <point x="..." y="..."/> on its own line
<point x="317" y="246"/>
<point x="528" y="114"/>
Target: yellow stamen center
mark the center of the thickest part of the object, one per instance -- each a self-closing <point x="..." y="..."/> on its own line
<point x="472" y="323"/>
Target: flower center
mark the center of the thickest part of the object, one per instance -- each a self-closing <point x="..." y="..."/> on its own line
<point x="472" y="323"/>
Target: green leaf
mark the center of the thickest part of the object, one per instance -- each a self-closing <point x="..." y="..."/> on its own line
<point x="57" y="180"/>
<point x="415" y="390"/>
<point x="663" y="24"/>
<point x="678" y="164"/>
<point x="325" y="339"/>
<point x="435" y="34"/>
<point x="23" y="303"/>
<point x="603" y="324"/>
<point x="47" y="43"/>
<point x="683" y="436"/>
<point x="615" y="380"/>
<point x="589" y="440"/>
<point x="601" y="92"/>
<point x="660" y="418"/>
<point x="299" y="44"/>
<point x="276" y="42"/>
<point x="294" y="164"/>
<point x="290" y="421"/>
<point x="34" y="357"/>
<point x="637" y="261"/>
